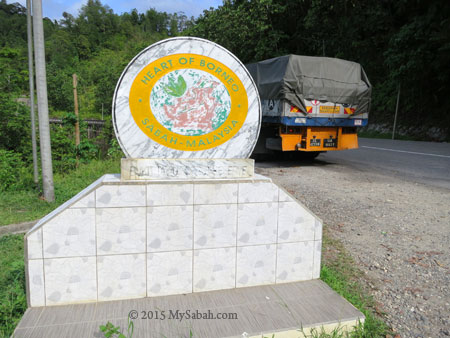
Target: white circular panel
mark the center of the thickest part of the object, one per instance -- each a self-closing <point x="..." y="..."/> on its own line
<point x="186" y="98"/>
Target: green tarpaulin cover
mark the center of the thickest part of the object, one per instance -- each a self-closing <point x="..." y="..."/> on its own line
<point x="295" y="78"/>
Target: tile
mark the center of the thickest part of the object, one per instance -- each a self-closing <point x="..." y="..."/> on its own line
<point x="70" y="280"/>
<point x="87" y="201"/>
<point x="255" y="265"/>
<point x="169" y="228"/>
<point x="120" y="309"/>
<point x="257" y="223"/>
<point x="318" y="230"/>
<point x="121" y="230"/>
<point x="110" y="196"/>
<point x="72" y="313"/>
<point x="71" y="233"/>
<point x="295" y="223"/>
<point x="169" y="273"/>
<point x="121" y="277"/>
<point x="31" y="317"/>
<point x="284" y="196"/>
<point x="215" y="225"/>
<point x="36" y="282"/>
<point x="215" y="193"/>
<point x="214" y="269"/>
<point x="22" y="333"/>
<point x="317" y="258"/>
<point x="170" y="194"/>
<point x="294" y="261"/>
<point x="258" y="192"/>
<point x="34" y="245"/>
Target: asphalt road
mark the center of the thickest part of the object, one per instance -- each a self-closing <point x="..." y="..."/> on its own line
<point x="423" y="162"/>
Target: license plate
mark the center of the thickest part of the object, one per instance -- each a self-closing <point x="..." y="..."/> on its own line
<point x="314" y="142"/>
<point x="330" y="143"/>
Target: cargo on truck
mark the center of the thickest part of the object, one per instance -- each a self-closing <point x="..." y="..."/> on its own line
<point x="310" y="104"/>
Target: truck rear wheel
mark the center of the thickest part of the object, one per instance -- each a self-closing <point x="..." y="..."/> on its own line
<point x="308" y="155"/>
<point x="298" y="155"/>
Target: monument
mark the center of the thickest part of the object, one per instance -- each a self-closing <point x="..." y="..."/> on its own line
<point x="188" y="213"/>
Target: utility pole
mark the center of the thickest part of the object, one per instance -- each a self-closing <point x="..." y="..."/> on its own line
<point x="31" y="81"/>
<point x="42" y="100"/>
<point x="75" y="100"/>
<point x="396" y="111"/>
<point x="77" y="123"/>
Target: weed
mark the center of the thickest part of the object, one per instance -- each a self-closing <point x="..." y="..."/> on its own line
<point x="339" y="271"/>
<point x="24" y="205"/>
<point x="13" y="302"/>
<point x="110" y="331"/>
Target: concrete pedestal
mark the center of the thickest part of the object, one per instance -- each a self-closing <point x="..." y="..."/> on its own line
<point x="132" y="239"/>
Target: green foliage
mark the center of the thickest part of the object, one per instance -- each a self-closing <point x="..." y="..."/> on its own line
<point x="65" y="154"/>
<point x="109" y="330"/>
<point x="400" y="42"/>
<point x="12" y="20"/>
<point x="98" y="78"/>
<point x="96" y="45"/>
<point x="14" y="174"/>
<point x="339" y="332"/>
<point x="403" y="43"/>
<point x="13" y="74"/>
<point x="22" y="205"/>
<point x="59" y="87"/>
<point x="12" y="283"/>
<point x="15" y="129"/>
<point x="339" y="271"/>
<point x="114" y="150"/>
<point x="245" y="27"/>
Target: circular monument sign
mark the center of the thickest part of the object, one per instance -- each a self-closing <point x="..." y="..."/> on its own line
<point x="186" y="98"/>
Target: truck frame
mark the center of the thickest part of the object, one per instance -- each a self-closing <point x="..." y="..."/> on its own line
<point x="320" y="124"/>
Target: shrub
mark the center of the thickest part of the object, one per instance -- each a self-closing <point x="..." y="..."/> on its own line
<point x="13" y="171"/>
<point x="13" y="301"/>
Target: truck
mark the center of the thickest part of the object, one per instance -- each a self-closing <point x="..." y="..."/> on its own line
<point x="310" y="104"/>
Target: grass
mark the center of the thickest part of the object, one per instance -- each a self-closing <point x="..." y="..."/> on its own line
<point x="338" y="332"/>
<point x="13" y="301"/>
<point x="22" y="206"/>
<point x="339" y="271"/>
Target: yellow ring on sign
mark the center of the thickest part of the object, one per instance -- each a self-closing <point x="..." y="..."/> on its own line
<point x="144" y="82"/>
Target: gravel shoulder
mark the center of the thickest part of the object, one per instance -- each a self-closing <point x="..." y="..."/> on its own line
<point x="397" y="231"/>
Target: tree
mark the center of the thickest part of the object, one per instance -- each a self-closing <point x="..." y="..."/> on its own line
<point x="244" y="21"/>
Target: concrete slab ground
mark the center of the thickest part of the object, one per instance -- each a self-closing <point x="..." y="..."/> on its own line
<point x="261" y="310"/>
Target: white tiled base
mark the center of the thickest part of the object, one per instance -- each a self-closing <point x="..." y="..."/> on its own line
<point x="123" y="240"/>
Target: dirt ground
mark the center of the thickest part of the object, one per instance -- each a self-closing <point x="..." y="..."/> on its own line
<point x="397" y="231"/>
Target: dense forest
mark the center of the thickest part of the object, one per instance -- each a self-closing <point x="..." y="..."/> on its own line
<point x="97" y="44"/>
<point x="399" y="43"/>
<point x="405" y="42"/>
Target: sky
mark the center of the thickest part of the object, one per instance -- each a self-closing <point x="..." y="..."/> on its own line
<point x="53" y="9"/>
